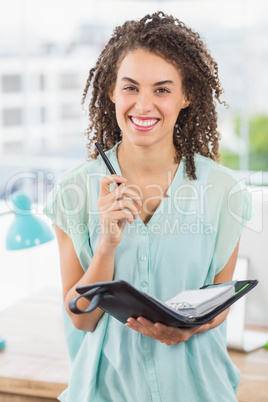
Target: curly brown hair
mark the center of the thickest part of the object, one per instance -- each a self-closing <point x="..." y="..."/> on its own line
<point x="195" y="130"/>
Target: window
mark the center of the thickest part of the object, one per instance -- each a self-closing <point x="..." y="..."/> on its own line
<point x="13" y="147"/>
<point x="69" y="111"/>
<point x="69" y="81"/>
<point x="11" y="83"/>
<point x="43" y="114"/>
<point x="12" y="117"/>
<point x="42" y="82"/>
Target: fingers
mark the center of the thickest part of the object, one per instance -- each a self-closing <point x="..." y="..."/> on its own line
<point x="108" y="205"/>
<point x="126" y="191"/>
<point x="115" y="209"/>
<point x="115" y="216"/>
<point x="119" y="191"/>
<point x="116" y="200"/>
<point x="126" y="204"/>
<point x="161" y="332"/>
<point x="139" y="327"/>
<point x="147" y="328"/>
<point x="106" y="181"/>
<point x="177" y="334"/>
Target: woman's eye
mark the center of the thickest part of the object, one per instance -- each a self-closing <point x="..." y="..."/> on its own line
<point x="130" y="88"/>
<point x="162" y="91"/>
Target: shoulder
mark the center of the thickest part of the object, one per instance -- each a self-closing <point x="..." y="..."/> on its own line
<point x="80" y="185"/>
<point x="88" y="173"/>
<point x="223" y="187"/>
<point x="81" y="173"/>
<point x="214" y="173"/>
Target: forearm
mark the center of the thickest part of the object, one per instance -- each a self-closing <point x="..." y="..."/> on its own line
<point x="101" y="269"/>
<point x="214" y="323"/>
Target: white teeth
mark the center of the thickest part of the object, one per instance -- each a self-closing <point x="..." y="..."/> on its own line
<point x="144" y="123"/>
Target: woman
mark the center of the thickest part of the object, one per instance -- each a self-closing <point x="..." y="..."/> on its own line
<point x="174" y="224"/>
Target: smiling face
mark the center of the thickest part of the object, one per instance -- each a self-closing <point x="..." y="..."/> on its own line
<point x="148" y="97"/>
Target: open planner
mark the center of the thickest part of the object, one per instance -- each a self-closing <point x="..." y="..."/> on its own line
<point x="186" y="309"/>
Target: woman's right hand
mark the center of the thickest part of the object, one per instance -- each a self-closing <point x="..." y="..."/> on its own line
<point x="115" y="210"/>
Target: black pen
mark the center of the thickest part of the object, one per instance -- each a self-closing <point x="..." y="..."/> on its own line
<point x="106" y="160"/>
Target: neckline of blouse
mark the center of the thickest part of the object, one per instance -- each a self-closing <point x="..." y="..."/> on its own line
<point x="175" y="181"/>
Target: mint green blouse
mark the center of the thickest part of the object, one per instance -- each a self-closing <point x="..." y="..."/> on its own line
<point x="188" y="240"/>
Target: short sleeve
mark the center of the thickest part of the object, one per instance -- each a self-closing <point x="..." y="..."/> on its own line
<point x="66" y="207"/>
<point x="231" y="209"/>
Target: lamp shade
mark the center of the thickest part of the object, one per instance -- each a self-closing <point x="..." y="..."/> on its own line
<point x="2" y="342"/>
<point x="26" y="230"/>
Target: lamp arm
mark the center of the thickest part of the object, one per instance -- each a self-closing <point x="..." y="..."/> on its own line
<point x="6" y="213"/>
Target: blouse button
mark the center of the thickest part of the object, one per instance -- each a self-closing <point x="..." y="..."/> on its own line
<point x="144" y="232"/>
<point x="143" y="258"/>
<point x="144" y="284"/>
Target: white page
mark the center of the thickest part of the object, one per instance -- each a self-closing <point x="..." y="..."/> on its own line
<point x="202" y="298"/>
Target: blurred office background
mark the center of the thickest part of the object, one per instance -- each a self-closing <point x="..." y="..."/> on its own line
<point x="46" y="50"/>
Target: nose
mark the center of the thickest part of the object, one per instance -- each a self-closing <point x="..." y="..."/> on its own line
<point x="144" y="103"/>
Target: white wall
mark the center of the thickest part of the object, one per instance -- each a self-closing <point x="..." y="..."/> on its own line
<point x="254" y="246"/>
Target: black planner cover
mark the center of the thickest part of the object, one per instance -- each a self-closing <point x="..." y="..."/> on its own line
<point x="121" y="300"/>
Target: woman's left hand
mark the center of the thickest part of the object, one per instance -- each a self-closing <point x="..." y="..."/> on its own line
<point x="174" y="335"/>
<point x="164" y="333"/>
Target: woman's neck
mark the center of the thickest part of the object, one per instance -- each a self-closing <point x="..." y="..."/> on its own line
<point x="146" y="162"/>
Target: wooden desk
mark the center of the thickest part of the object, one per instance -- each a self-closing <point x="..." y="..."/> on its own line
<point x="254" y="370"/>
<point x="34" y="366"/>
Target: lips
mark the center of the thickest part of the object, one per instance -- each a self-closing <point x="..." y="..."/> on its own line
<point x="143" y="123"/>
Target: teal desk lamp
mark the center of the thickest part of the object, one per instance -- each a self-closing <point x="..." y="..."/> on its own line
<point x="26" y="230"/>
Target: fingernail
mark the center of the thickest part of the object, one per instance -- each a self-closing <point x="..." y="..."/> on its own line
<point x="139" y="201"/>
<point x="130" y="322"/>
<point x="123" y="178"/>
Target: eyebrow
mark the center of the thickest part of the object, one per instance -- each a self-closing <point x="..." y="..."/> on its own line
<point x="127" y="79"/>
